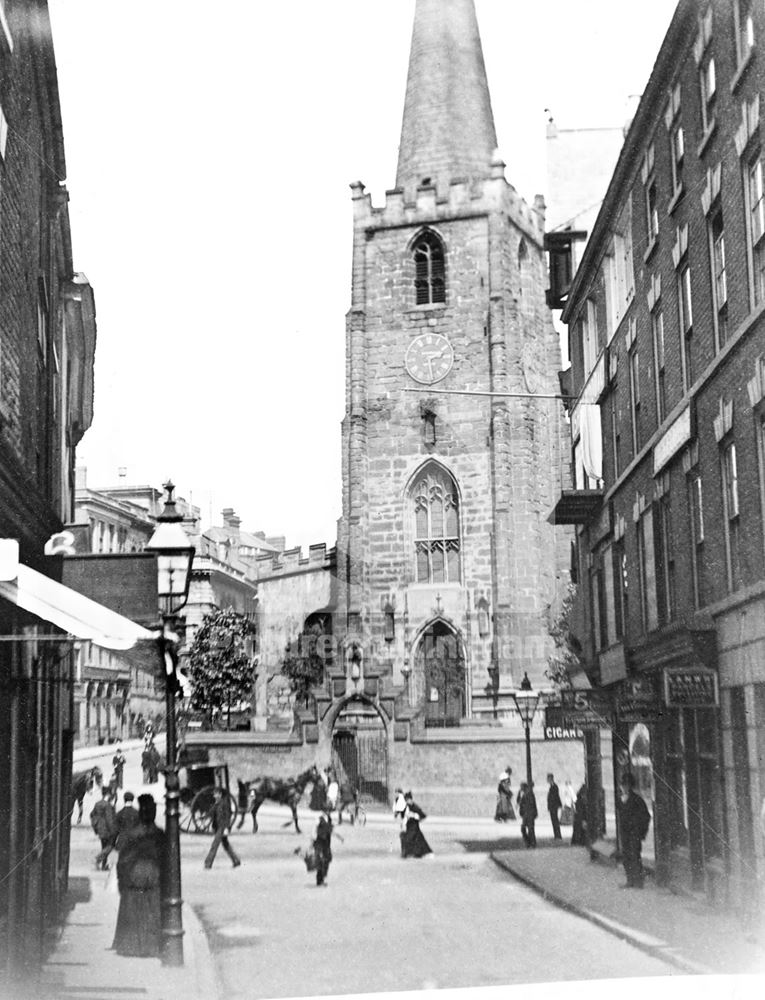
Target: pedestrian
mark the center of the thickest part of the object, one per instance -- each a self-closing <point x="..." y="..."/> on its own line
<point x="568" y="797"/>
<point x="146" y="765"/>
<point x="322" y="846"/>
<point x="221" y="824"/>
<point x="554" y="805"/>
<point x="154" y="762"/>
<point x="414" y="844"/>
<point x="634" y="820"/>
<point x="333" y="790"/>
<point x="527" y="807"/>
<point x="504" y="810"/>
<point x="103" y="819"/>
<point x="127" y="817"/>
<point x="140" y="876"/>
<point x="118" y="763"/>
<point x="399" y="813"/>
<point x="579" y="834"/>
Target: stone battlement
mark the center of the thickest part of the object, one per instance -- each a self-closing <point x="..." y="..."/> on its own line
<point x="464" y="199"/>
<point x="292" y="560"/>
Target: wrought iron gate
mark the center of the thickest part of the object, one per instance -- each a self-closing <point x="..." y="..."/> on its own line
<point x="360" y="752"/>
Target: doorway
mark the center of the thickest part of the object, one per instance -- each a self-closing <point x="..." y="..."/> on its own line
<point x="360" y="751"/>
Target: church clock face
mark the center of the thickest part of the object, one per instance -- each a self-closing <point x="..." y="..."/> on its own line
<point x="429" y="358"/>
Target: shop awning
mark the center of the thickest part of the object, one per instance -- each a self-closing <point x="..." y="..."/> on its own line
<point x="70" y="611"/>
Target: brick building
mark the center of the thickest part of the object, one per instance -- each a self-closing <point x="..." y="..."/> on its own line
<point x="448" y="574"/>
<point x="665" y="321"/>
<point x="47" y="343"/>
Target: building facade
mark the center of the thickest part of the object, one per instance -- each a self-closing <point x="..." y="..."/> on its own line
<point x="665" y="320"/>
<point x="47" y="343"/>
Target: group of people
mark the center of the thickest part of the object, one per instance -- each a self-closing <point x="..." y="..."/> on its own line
<point x="150" y="759"/>
<point x="566" y="809"/>
<point x="140" y="846"/>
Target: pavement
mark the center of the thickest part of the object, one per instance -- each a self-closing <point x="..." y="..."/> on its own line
<point x="81" y="963"/>
<point x="681" y="930"/>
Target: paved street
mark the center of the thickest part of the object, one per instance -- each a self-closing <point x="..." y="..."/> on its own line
<point x="383" y="924"/>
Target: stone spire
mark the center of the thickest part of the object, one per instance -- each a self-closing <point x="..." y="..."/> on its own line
<point x="448" y="128"/>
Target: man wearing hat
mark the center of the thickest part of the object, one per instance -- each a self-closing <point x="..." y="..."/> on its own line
<point x="127" y="817"/>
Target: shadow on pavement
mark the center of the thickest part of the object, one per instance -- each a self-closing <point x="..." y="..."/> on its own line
<point x="506" y="844"/>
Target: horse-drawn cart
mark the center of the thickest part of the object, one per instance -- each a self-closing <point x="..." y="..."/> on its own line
<point x="197" y="783"/>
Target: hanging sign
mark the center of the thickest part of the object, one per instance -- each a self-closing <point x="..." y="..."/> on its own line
<point x="557" y="726"/>
<point x="637" y="699"/>
<point x="690" y="687"/>
<point x="586" y="709"/>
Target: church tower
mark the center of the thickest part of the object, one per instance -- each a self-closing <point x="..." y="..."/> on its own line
<point x="449" y="574"/>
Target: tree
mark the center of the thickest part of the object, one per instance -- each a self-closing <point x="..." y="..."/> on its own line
<point x="565" y="661"/>
<point x="220" y="662"/>
<point x="303" y="663"/>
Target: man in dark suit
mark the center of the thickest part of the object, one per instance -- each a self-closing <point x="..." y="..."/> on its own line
<point x="127" y="817"/>
<point x="221" y="824"/>
<point x="634" y="820"/>
<point x="554" y="805"/>
<point x="103" y="819"/>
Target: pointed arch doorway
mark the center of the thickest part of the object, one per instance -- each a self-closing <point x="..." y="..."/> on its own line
<point x="440" y="668"/>
<point x="360" y="751"/>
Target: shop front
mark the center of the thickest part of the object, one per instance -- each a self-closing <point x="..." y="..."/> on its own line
<point x="669" y="738"/>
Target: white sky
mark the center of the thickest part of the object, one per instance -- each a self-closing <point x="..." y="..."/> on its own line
<point x="209" y="151"/>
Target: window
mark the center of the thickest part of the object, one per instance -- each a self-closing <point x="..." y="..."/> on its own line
<point x="651" y="208"/>
<point x="756" y="213"/>
<point x="677" y="146"/>
<point x="3" y="133"/>
<point x="589" y="326"/>
<point x="634" y="366"/>
<point x="429" y="281"/>
<point x="685" y="318"/>
<point x="436" y="527"/>
<point x="615" y="435"/>
<point x="744" y="27"/>
<point x="761" y="453"/>
<point x="620" y="588"/>
<point x="731" y="513"/>
<point x="598" y="604"/>
<point x="646" y="571"/>
<point x="666" y="562"/>
<point x="657" y="328"/>
<point x="708" y="82"/>
<point x="696" y="509"/>
<point x="719" y="277"/>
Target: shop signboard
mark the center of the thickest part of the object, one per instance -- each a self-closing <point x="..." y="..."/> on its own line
<point x="585" y="709"/>
<point x="637" y="699"/>
<point x="690" y="687"/>
<point x="557" y="726"/>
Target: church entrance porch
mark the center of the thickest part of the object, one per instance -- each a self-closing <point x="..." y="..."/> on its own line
<point x="360" y="751"/>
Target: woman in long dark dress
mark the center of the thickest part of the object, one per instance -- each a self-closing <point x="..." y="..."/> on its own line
<point x="139" y="875"/>
<point x="579" y="833"/>
<point x="413" y="843"/>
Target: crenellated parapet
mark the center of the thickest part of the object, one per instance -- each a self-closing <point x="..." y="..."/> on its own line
<point x="465" y="199"/>
<point x="291" y="561"/>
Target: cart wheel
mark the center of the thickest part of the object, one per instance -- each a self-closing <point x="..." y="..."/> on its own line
<point x="234" y="808"/>
<point x="201" y="809"/>
<point x="186" y="819"/>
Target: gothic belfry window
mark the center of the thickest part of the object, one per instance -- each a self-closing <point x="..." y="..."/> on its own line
<point x="430" y="270"/>
<point x="436" y="527"/>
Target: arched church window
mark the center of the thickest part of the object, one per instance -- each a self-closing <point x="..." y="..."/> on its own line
<point x="430" y="269"/>
<point x="436" y="527"/>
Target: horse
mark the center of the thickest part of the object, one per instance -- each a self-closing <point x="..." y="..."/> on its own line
<point x="82" y="783"/>
<point x="285" y="791"/>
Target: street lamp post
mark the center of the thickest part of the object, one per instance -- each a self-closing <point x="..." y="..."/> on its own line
<point x="174" y="558"/>
<point x="526" y="701"/>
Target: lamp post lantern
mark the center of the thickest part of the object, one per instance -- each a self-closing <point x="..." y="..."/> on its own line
<point x="526" y="701"/>
<point x="174" y="558"/>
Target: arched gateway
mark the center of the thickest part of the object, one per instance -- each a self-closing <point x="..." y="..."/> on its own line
<point x="360" y="749"/>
